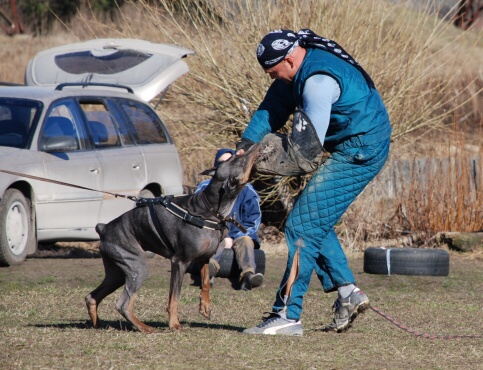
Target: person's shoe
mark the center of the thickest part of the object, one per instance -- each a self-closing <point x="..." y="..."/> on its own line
<point x="213" y="269"/>
<point x="251" y="280"/>
<point x="256" y="280"/>
<point x="347" y="309"/>
<point x="277" y="324"/>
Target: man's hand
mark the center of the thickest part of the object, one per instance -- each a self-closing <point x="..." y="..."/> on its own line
<point x="243" y="145"/>
<point x="228" y="243"/>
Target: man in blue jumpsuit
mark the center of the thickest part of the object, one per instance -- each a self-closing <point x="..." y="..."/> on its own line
<point x="246" y="211"/>
<point x="337" y="111"/>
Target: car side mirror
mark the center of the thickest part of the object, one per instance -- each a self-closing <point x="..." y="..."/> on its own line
<point x="59" y="144"/>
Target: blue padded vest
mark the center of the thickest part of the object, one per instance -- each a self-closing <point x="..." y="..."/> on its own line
<point x="359" y="110"/>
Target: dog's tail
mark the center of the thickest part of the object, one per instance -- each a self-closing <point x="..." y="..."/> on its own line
<point x="99" y="228"/>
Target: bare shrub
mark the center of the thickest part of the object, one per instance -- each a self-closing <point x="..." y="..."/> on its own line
<point x="446" y="194"/>
<point x="415" y="198"/>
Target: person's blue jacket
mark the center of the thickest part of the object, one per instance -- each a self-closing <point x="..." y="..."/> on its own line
<point x="246" y="210"/>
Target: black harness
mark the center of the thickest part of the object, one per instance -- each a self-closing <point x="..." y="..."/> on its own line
<point x="185" y="215"/>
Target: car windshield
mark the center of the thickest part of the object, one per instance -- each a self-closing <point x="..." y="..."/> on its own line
<point x="17" y="117"/>
<point x="104" y="62"/>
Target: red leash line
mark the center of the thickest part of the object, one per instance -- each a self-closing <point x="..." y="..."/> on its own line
<point x="423" y="335"/>
<point x="66" y="184"/>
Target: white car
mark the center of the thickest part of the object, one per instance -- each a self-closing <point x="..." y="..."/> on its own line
<point x="83" y="118"/>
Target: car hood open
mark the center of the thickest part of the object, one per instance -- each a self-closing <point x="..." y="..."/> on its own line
<point x="147" y="68"/>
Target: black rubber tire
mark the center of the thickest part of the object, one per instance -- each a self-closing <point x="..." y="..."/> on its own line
<point x="229" y="267"/>
<point x="146" y="193"/>
<point x="16" y="228"/>
<point x="406" y="261"/>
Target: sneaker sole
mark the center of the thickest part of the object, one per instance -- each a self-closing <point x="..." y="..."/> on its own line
<point x="212" y="270"/>
<point x="256" y="280"/>
<point x="359" y="309"/>
<point x="290" y="331"/>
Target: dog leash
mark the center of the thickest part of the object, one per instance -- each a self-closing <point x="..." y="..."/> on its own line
<point x="423" y="335"/>
<point x="219" y="216"/>
<point x="131" y="197"/>
<point x="164" y="201"/>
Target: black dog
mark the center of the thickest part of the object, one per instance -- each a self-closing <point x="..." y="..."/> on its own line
<point x="184" y="229"/>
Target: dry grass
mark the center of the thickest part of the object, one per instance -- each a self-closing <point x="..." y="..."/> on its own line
<point x="43" y="322"/>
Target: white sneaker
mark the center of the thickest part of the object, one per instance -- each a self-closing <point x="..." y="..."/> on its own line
<point x="277" y="324"/>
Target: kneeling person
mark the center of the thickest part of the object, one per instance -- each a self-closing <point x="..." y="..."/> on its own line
<point x="246" y="211"/>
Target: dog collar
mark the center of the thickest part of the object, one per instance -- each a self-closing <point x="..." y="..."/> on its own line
<point x="219" y="216"/>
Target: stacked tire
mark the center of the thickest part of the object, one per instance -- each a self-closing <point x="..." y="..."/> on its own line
<point x="406" y="261"/>
<point x="229" y="267"/>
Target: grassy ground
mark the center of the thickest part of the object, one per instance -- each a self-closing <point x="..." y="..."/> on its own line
<point x="43" y="321"/>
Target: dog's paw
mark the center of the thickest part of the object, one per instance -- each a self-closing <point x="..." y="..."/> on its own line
<point x="205" y="311"/>
<point x="175" y="326"/>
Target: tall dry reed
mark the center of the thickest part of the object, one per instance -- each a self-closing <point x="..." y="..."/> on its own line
<point x="446" y="194"/>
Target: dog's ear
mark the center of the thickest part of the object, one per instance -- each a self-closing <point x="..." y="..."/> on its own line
<point x="209" y="172"/>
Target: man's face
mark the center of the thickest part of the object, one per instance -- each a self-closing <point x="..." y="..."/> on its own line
<point x="282" y="71"/>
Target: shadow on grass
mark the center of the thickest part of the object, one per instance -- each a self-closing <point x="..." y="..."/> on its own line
<point x="57" y="251"/>
<point x="196" y="281"/>
<point x="122" y="325"/>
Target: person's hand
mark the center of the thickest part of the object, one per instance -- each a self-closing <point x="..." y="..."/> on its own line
<point x="228" y="243"/>
<point x="243" y="145"/>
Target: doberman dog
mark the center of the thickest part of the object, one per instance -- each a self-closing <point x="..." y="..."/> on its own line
<point x="192" y="233"/>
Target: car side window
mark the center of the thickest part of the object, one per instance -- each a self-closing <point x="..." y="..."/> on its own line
<point x="105" y="130"/>
<point x="16" y="119"/>
<point x="146" y="125"/>
<point x="61" y="130"/>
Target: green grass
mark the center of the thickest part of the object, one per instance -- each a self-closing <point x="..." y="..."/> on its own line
<point x="46" y="325"/>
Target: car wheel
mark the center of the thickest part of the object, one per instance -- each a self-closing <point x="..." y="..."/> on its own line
<point x="146" y="193"/>
<point x="406" y="261"/>
<point x="16" y="231"/>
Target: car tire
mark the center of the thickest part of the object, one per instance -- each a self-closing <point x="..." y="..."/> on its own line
<point x="16" y="228"/>
<point x="146" y="193"/>
<point x="406" y="261"/>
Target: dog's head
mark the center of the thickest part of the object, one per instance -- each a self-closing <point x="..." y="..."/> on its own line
<point x="235" y="172"/>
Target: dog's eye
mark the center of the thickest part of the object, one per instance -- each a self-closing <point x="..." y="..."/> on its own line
<point x="232" y="180"/>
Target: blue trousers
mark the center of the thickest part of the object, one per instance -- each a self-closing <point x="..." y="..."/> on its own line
<point x="309" y="230"/>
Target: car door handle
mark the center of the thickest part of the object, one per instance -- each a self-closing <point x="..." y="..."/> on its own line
<point x="136" y="167"/>
<point x="95" y="170"/>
